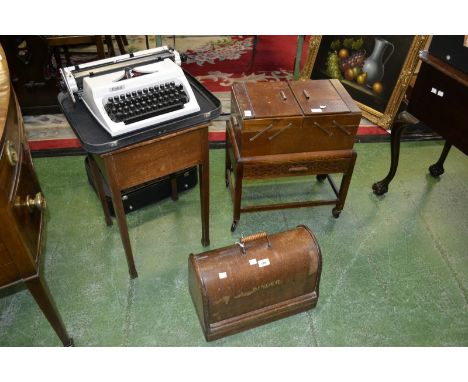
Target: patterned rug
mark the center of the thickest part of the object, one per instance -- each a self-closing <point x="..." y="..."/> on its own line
<point x="216" y="61"/>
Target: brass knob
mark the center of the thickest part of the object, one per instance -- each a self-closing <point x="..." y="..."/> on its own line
<point x="38" y="202"/>
<point x="11" y="154"/>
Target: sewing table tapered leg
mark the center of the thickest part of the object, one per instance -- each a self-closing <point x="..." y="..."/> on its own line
<point x="121" y="217"/>
<point x="41" y="294"/>
<point x="203" y="172"/>
<point x="100" y="188"/>
<point x="437" y="168"/>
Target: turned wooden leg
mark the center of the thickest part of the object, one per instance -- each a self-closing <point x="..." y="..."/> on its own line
<point x="381" y="187"/>
<point x="239" y="174"/>
<point x="120" y="44"/>
<point x="58" y="59"/>
<point x="67" y="55"/>
<point x="110" y="46"/>
<point x="41" y="294"/>
<point x="345" y="181"/>
<point x="203" y="172"/>
<point x="437" y="168"/>
<point x="121" y="218"/>
<point x="100" y="47"/>
<point x="97" y="180"/>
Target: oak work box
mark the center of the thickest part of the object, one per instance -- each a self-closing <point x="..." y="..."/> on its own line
<point x="288" y="129"/>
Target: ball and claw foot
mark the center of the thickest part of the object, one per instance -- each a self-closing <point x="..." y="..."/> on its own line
<point x="436" y="170"/>
<point x="380" y="188"/>
<point x="336" y="213"/>
<point x="321" y="177"/>
<point x="233" y="226"/>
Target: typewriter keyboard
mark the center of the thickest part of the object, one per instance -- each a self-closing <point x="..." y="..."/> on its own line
<point x="146" y="103"/>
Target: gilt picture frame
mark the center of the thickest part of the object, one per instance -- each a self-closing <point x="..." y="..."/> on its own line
<point x="375" y="70"/>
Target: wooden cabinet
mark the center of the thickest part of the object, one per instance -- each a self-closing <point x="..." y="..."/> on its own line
<point x="22" y="206"/>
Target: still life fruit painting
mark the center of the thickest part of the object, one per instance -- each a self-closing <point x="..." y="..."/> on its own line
<point x="347" y="60"/>
<point x="375" y="70"/>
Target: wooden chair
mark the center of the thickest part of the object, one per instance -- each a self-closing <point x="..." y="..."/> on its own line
<point x="64" y="42"/>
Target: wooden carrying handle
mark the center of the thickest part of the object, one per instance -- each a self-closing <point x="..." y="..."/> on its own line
<point x="297" y="168"/>
<point x="254" y="237"/>
<point x="341" y="127"/>
<point x="261" y="132"/>
<point x="329" y="133"/>
<point x="241" y="243"/>
<point x="279" y="131"/>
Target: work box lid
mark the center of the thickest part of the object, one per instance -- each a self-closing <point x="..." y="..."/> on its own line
<point x="292" y="98"/>
<point x="322" y="96"/>
<point x="265" y="100"/>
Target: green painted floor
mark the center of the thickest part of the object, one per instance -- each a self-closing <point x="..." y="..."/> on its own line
<point x="395" y="268"/>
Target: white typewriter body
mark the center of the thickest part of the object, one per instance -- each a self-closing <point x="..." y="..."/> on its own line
<point x="100" y="82"/>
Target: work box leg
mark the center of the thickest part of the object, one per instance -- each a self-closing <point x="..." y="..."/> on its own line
<point x="227" y="166"/>
<point x="239" y="174"/>
<point x="203" y="171"/>
<point x="344" y="187"/>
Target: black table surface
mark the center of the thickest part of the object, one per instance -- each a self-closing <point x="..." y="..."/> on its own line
<point x="96" y="140"/>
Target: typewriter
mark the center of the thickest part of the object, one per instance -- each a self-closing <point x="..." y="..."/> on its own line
<point x="130" y="92"/>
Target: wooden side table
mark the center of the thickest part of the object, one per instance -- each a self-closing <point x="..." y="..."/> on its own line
<point x="318" y="163"/>
<point x="148" y="160"/>
<point x="439" y="101"/>
<point x="144" y="155"/>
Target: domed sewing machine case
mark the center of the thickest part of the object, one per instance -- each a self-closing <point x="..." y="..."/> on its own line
<point x="260" y="279"/>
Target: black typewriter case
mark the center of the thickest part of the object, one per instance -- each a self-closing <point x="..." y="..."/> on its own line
<point x="142" y="195"/>
<point x="95" y="139"/>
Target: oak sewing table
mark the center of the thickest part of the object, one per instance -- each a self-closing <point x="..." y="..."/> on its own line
<point x="145" y="155"/>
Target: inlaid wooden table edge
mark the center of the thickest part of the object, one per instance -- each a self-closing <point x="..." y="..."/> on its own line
<point x="335" y="161"/>
<point x="148" y="160"/>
